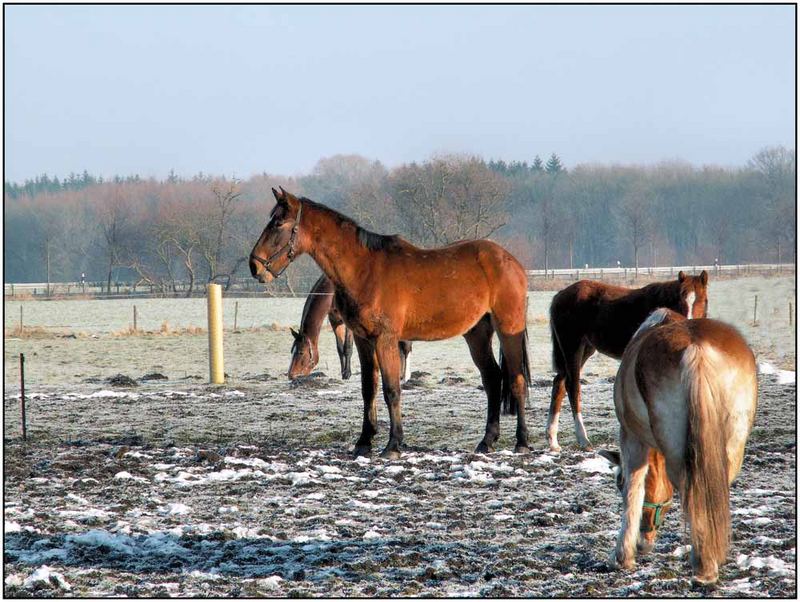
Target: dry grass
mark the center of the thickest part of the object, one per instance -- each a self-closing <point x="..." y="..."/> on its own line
<point x="30" y="332"/>
<point x="165" y="330"/>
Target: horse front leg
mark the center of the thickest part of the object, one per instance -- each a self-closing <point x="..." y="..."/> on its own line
<point x="634" y="470"/>
<point x="388" y="356"/>
<point x="341" y="333"/>
<point x="369" y="386"/>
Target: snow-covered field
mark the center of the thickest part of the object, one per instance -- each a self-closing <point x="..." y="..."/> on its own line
<point x="178" y="488"/>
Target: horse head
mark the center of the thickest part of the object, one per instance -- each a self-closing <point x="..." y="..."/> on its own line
<point x="304" y="356"/>
<point x="694" y="294"/>
<point x="280" y="242"/>
<point x="658" y="492"/>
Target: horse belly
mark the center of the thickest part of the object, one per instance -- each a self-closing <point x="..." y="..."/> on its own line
<point x="441" y="322"/>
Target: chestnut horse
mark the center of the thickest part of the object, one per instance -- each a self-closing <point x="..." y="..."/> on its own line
<point x="305" y="350"/>
<point x="389" y="290"/>
<point x="591" y="316"/>
<point x="685" y="396"/>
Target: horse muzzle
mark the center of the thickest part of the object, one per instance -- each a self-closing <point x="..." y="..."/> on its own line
<point x="259" y="272"/>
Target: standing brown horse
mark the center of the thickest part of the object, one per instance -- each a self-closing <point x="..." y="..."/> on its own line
<point x="685" y="396"/>
<point x="591" y="316"/>
<point x="388" y="291"/>
<point x="305" y="349"/>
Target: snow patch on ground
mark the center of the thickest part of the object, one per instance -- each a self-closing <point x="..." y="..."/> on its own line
<point x="774" y="565"/>
<point x="597" y="464"/>
<point x="783" y="377"/>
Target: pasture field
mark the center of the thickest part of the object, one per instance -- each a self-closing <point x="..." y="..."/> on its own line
<point x="178" y="488"/>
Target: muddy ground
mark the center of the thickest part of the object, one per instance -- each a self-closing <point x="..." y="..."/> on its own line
<point x="250" y="491"/>
<point x="177" y="488"/>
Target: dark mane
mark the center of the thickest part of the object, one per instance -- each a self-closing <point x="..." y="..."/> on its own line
<point x="370" y="240"/>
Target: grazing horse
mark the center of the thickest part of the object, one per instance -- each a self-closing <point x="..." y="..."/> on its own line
<point x="305" y="350"/>
<point x="591" y="316"/>
<point x="685" y="396"/>
<point x="389" y="290"/>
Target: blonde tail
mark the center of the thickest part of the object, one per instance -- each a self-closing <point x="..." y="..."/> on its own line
<point x="706" y="495"/>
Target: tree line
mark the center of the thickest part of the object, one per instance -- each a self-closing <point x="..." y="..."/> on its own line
<point x="201" y="229"/>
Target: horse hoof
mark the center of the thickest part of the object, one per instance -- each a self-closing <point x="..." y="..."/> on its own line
<point x="484" y="448"/>
<point x="362" y="450"/>
<point x="390" y="454"/>
<point x="705" y="580"/>
<point x="555" y="448"/>
<point x="616" y="564"/>
<point x="522" y="449"/>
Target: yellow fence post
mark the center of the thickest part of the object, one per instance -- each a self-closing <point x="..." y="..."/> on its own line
<point x="215" y="361"/>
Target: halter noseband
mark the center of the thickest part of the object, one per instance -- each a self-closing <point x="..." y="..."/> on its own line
<point x="659" y="517"/>
<point x="267" y="263"/>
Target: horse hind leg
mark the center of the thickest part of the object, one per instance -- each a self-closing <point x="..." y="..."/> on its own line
<point x="575" y="362"/>
<point x="515" y="354"/>
<point x="479" y="340"/>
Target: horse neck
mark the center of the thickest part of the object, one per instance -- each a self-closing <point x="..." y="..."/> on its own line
<point x="335" y="247"/>
<point x="658" y="488"/>
<point x="317" y="305"/>
<point x="660" y="294"/>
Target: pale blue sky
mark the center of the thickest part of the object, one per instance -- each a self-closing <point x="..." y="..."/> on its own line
<point x="240" y="90"/>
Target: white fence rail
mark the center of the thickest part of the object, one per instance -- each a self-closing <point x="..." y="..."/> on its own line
<point x="243" y="287"/>
<point x="598" y="273"/>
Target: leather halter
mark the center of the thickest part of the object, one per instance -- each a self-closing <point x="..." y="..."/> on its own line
<point x="659" y="517"/>
<point x="267" y="263"/>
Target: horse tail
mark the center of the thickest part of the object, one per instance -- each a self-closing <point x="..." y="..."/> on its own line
<point x="706" y="491"/>
<point x="509" y="404"/>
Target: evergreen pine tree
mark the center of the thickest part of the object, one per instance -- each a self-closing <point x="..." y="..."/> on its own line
<point x="554" y="165"/>
<point x="537" y="166"/>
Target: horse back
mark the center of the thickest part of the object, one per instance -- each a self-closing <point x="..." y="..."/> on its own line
<point x="607" y="316"/>
<point x="595" y="312"/>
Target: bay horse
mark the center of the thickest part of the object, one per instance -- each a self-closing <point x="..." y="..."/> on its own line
<point x="305" y="349"/>
<point x="389" y="290"/>
<point x="685" y="395"/>
<point x="590" y="316"/>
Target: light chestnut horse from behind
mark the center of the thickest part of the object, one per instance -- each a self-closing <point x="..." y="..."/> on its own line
<point x="685" y="396"/>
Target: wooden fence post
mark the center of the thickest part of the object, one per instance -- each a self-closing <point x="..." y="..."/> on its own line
<point x="135" y="327"/>
<point x="755" y="311"/>
<point x="22" y="395"/>
<point x="215" y="358"/>
<point x="235" y="315"/>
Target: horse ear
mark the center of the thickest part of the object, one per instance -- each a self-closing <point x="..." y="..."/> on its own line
<point x="291" y="201"/>
<point x="279" y="196"/>
<point x="295" y="334"/>
<point x="681" y="276"/>
<point x="611" y="456"/>
<point x="704" y="278"/>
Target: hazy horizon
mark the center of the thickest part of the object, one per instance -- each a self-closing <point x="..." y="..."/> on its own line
<point x="241" y="90"/>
